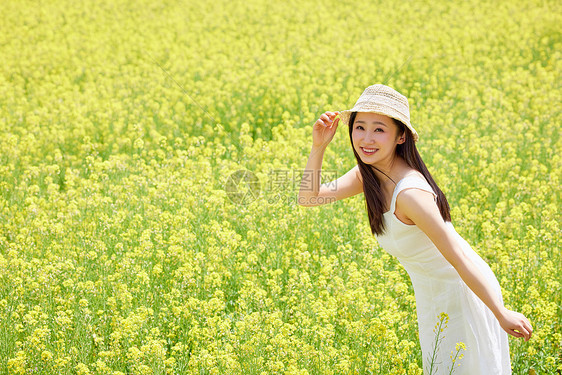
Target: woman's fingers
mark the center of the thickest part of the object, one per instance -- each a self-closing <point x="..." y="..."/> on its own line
<point x="515" y="333"/>
<point x="324" y="128"/>
<point x="327" y="120"/>
<point x="327" y="117"/>
<point x="517" y="324"/>
<point x="324" y="119"/>
<point x="525" y="333"/>
<point x="528" y="326"/>
<point x="523" y="330"/>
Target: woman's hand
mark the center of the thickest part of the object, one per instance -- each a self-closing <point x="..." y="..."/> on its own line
<point x="516" y="324"/>
<point x="324" y="129"/>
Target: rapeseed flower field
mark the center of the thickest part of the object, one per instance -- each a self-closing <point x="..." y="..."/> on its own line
<point x="150" y="157"/>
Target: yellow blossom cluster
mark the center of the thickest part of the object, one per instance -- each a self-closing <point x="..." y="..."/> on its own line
<point x="150" y="158"/>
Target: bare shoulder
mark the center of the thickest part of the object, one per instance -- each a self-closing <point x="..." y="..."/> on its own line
<point x="408" y="195"/>
<point x="411" y="202"/>
<point x="414" y="172"/>
<point x="414" y="196"/>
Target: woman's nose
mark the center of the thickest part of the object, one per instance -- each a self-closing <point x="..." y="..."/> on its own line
<point x="369" y="137"/>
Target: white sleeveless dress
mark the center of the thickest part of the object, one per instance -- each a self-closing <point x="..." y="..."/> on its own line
<point x="438" y="288"/>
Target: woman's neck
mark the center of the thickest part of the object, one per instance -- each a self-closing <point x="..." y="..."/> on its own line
<point x="391" y="172"/>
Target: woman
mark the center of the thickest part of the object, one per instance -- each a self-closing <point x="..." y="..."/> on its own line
<point x="409" y="215"/>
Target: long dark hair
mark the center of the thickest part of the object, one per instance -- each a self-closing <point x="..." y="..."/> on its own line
<point x="371" y="184"/>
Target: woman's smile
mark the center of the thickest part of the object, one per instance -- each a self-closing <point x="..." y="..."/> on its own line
<point x="368" y="151"/>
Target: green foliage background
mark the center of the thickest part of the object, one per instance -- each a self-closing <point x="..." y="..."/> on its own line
<point x="120" y="249"/>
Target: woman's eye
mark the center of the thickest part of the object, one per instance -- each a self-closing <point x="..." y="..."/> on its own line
<point x="378" y="130"/>
<point x="359" y="127"/>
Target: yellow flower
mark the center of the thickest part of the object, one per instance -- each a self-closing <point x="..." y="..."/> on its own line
<point x="46" y="355"/>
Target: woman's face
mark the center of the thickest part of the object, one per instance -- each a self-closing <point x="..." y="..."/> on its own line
<point x="375" y="138"/>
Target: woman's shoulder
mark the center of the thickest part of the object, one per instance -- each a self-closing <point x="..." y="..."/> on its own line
<point x="413" y="175"/>
<point x="414" y="179"/>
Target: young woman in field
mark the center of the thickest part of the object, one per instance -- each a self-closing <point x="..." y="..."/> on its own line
<point x="409" y="216"/>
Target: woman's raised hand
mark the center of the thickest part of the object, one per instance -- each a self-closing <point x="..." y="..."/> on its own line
<point x="324" y="128"/>
<point x="516" y="324"/>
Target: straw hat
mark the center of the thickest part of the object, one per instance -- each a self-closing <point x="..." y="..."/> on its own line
<point x="383" y="100"/>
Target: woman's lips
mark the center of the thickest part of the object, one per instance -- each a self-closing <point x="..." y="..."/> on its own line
<point x="370" y="152"/>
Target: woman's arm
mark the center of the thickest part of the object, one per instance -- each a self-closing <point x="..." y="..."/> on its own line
<point x="310" y="182"/>
<point x="419" y="206"/>
<point x="311" y="193"/>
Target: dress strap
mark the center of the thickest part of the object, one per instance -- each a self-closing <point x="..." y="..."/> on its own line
<point x="413" y="181"/>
